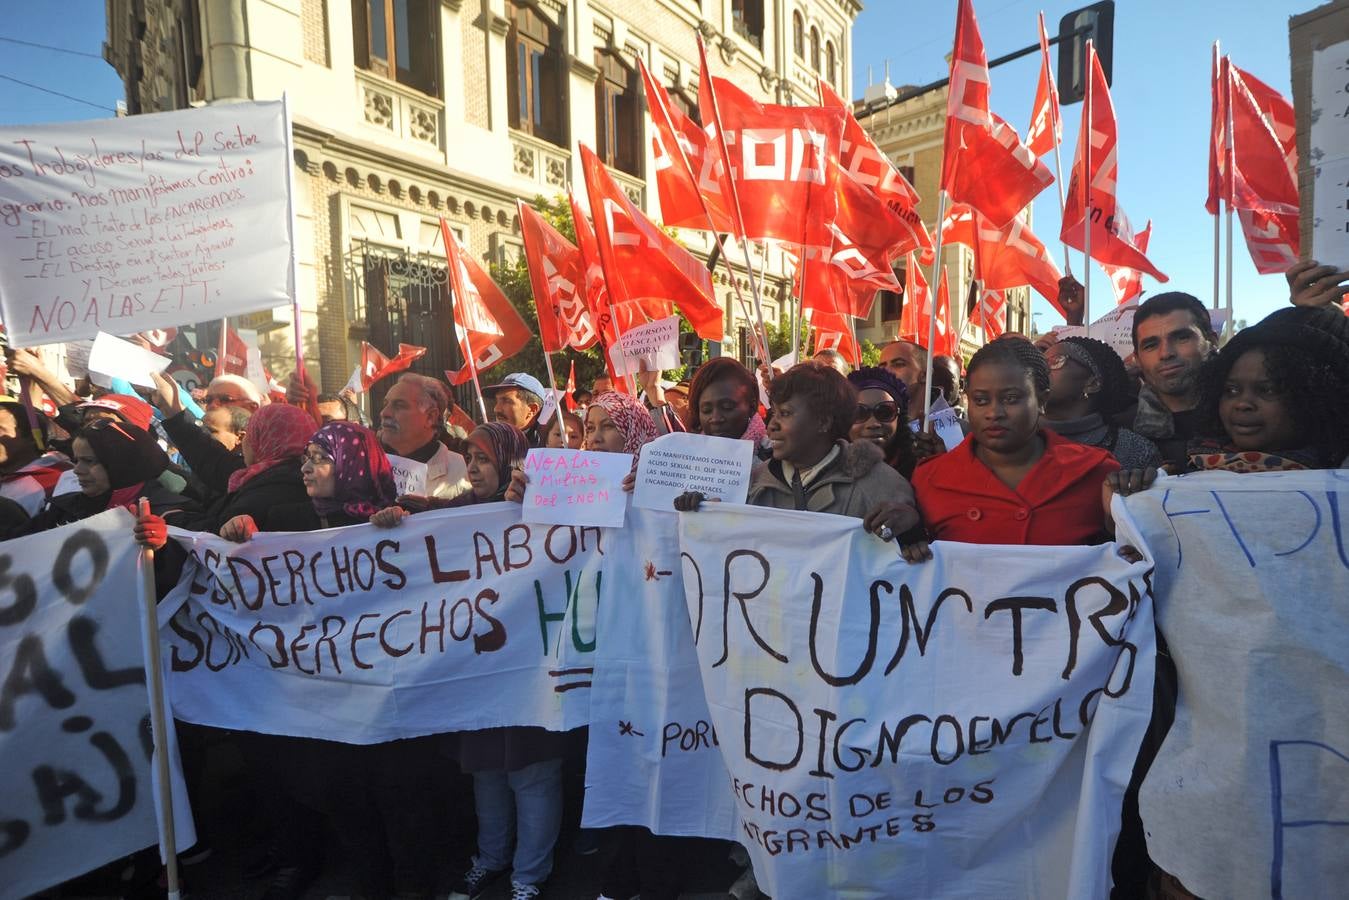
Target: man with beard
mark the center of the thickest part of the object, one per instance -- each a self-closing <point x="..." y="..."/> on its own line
<point x="1172" y="336"/>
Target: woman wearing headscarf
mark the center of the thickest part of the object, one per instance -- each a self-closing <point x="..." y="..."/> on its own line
<point x="882" y="403"/>
<point x="1276" y="397"/>
<point x="1088" y="387"/>
<point x="374" y="793"/>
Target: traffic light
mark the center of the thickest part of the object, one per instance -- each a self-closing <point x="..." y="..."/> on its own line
<point x="1095" y="23"/>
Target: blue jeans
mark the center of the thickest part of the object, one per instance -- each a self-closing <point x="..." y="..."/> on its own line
<point x="523" y="807"/>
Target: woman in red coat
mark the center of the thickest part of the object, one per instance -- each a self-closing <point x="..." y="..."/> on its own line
<point x="1014" y="481"/>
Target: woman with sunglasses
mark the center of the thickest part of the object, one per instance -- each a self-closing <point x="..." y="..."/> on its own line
<point x="1088" y="386"/>
<point x="882" y="400"/>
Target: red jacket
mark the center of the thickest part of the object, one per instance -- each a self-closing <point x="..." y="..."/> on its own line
<point x="1058" y="502"/>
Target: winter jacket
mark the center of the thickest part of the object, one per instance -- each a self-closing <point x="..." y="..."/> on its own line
<point x="851" y="485"/>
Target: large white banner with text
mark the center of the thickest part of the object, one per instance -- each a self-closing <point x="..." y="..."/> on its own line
<point x="1249" y="794"/>
<point x="141" y="222"/>
<point x="961" y="728"/>
<point x="452" y="621"/>
<point x="76" y="788"/>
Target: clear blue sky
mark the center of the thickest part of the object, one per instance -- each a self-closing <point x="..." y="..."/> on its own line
<point x="1161" y="95"/>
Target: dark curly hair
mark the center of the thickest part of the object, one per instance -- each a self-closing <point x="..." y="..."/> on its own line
<point x="1115" y="394"/>
<point x="1309" y="366"/>
<point x="827" y="395"/>
<point x="714" y="370"/>
<point x="1018" y="354"/>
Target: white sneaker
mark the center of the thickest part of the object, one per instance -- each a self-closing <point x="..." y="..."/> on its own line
<point x="522" y="891"/>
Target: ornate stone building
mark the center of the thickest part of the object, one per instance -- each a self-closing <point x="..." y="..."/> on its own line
<point x="910" y="133"/>
<point x="409" y="110"/>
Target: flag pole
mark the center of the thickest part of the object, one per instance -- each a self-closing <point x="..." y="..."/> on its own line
<point x="1058" y="157"/>
<point x="552" y="386"/>
<point x="1086" y="192"/>
<point x="159" y="725"/>
<point x="1217" y="213"/>
<point x="741" y="238"/>
<point x="932" y="314"/>
<point x="1229" y="154"/>
<point x="292" y="277"/>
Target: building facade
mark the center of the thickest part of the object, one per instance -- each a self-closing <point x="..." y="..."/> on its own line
<point x="910" y="133"/>
<point x="407" y="111"/>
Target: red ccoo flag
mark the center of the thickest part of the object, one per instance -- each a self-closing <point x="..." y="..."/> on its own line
<point x="569" y="397"/>
<point x="917" y="304"/>
<point x="833" y="331"/>
<point x="1128" y="283"/>
<point x="1046" y="125"/>
<point x="597" y="295"/>
<point x="1110" y="244"/>
<point x="557" y="274"/>
<point x="643" y="264"/>
<point x="783" y="161"/>
<point x="689" y="180"/>
<point x="984" y="163"/>
<point x="1264" y="181"/>
<point x="1004" y="257"/>
<point x="375" y="365"/>
<point x="488" y="327"/>
<point x="1219" y="185"/>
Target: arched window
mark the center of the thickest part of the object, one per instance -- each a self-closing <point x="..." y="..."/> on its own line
<point x="799" y="35"/>
<point x="618" y="114"/>
<point x="815" y="49"/>
<point x="397" y="39"/>
<point x="534" y="74"/>
<point x="830" y="64"/>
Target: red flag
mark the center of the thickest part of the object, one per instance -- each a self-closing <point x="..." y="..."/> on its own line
<point x="984" y="163"/>
<point x="235" y="360"/>
<point x="1128" y="283"/>
<point x="643" y="263"/>
<point x="375" y="365"/>
<point x="1264" y="185"/>
<point x="917" y="304"/>
<point x="833" y="331"/>
<point x="1109" y="242"/>
<point x="944" y="341"/>
<point x="990" y="313"/>
<point x="1046" y="125"/>
<point x="488" y="327"/>
<point x="597" y="294"/>
<point x="1004" y="257"/>
<point x="860" y="158"/>
<point x="1219" y="187"/>
<point x="557" y="274"/>
<point x="569" y="398"/>
<point x="783" y="161"/>
<point x="687" y="176"/>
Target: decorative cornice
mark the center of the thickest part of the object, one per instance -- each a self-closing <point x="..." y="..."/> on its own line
<point x="583" y="68"/>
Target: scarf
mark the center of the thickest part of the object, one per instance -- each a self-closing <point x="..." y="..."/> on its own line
<point x="630" y="417"/>
<point x="1209" y="455"/>
<point x="360" y="467"/>
<point x="128" y="454"/>
<point x="506" y="445"/>
<point x="755" y="431"/>
<point x="275" y="433"/>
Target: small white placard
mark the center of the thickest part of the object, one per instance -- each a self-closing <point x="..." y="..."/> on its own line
<point x="117" y="358"/>
<point x="652" y="347"/>
<point x="409" y="476"/>
<point x="576" y="487"/>
<point x="945" y="422"/>
<point x="674" y="463"/>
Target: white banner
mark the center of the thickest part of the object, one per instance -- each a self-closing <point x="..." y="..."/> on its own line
<point x="75" y="787"/>
<point x="455" y="620"/>
<point x="130" y="224"/>
<point x="1249" y="794"/>
<point x="653" y="758"/>
<point x="964" y="727"/>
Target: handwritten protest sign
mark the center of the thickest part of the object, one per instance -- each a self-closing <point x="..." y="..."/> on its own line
<point x="129" y="224"/>
<point x="116" y="358"/>
<point x="1249" y="794"/>
<point x="652" y="758"/>
<point x="945" y="423"/>
<point x="679" y="462"/>
<point x="361" y="634"/>
<point x="1329" y="143"/>
<point x="76" y="785"/>
<point x="962" y="727"/>
<point x="409" y="476"/>
<point x="576" y="487"/>
<point x="650" y="347"/>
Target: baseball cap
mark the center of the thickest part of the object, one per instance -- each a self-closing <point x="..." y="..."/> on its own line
<point x="521" y="380"/>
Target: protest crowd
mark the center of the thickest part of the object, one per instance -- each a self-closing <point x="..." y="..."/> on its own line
<point x="1025" y="442"/>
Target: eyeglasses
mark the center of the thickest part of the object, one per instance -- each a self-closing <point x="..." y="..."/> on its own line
<point x="885" y="411"/>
